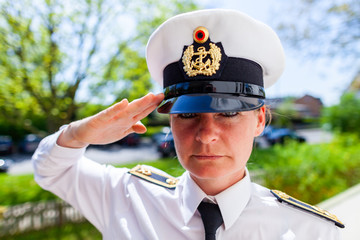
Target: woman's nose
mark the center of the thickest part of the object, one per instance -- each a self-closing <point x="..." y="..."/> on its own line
<point x="207" y="131"/>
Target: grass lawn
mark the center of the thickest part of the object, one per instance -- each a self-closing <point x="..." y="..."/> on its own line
<point x="79" y="231"/>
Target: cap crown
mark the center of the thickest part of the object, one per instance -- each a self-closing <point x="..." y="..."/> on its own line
<point x="240" y="36"/>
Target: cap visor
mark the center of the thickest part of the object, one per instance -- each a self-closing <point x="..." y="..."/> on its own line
<point x="196" y="103"/>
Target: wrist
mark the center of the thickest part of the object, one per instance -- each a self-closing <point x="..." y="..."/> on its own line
<point x="67" y="140"/>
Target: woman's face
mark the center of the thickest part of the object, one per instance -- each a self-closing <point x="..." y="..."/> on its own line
<point x="216" y="145"/>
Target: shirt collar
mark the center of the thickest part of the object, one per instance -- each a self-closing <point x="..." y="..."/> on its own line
<point x="234" y="199"/>
<point x="238" y="193"/>
<point x="192" y="196"/>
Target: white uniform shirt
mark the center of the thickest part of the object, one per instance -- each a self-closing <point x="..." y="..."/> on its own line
<point x="123" y="206"/>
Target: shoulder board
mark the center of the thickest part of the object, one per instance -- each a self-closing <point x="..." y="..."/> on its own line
<point x="147" y="174"/>
<point x="283" y="197"/>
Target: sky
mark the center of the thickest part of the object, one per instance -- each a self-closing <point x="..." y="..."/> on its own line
<point x="321" y="78"/>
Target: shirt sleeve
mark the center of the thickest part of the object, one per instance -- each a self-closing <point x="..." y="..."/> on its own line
<point x="83" y="183"/>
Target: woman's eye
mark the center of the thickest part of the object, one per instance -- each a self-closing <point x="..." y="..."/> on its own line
<point x="187" y="115"/>
<point x="230" y="114"/>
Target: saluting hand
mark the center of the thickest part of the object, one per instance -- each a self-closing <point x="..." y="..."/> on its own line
<point x="111" y="124"/>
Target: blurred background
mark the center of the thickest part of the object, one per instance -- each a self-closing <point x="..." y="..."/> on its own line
<point x="65" y="60"/>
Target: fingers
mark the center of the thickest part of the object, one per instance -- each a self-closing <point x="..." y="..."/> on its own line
<point x="139" y="127"/>
<point x="134" y="111"/>
<point x="114" y="110"/>
<point x="139" y="105"/>
<point x="143" y="107"/>
<point x="144" y="113"/>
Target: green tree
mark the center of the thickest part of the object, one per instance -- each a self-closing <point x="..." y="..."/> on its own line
<point x="326" y="29"/>
<point x="52" y="53"/>
<point x="319" y="28"/>
<point x="344" y="117"/>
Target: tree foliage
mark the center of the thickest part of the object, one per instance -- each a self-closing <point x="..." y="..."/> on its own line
<point x="52" y="53"/>
<point x="318" y="28"/>
<point x="344" y="117"/>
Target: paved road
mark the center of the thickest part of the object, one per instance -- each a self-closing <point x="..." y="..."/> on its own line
<point x="120" y="155"/>
<point x="315" y="135"/>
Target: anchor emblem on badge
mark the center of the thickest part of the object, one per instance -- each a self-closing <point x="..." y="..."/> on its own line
<point x="207" y="62"/>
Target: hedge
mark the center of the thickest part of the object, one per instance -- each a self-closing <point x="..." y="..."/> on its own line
<point x="311" y="173"/>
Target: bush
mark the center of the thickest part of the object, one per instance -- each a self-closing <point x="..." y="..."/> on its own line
<point x="344" y="117"/>
<point x="311" y="173"/>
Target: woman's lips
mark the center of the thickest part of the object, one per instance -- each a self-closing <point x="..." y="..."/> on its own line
<point x="207" y="156"/>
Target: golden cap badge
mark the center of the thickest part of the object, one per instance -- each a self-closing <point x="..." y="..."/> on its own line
<point x="206" y="62"/>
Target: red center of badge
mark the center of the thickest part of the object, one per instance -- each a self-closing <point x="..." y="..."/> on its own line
<point x="200" y="35"/>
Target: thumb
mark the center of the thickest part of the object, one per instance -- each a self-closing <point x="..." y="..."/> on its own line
<point x="139" y="127"/>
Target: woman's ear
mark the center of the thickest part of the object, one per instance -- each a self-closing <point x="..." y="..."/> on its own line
<point x="261" y="120"/>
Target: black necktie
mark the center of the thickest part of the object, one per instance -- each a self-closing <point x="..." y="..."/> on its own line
<point x="212" y="219"/>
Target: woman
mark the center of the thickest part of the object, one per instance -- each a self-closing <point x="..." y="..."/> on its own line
<point x="213" y="65"/>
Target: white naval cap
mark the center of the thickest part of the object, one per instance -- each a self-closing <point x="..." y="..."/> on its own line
<point x="222" y="55"/>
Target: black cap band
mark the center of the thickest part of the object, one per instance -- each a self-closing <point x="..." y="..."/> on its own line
<point x="222" y="87"/>
<point x="234" y="70"/>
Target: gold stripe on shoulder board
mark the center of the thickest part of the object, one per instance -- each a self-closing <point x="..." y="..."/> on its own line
<point x="147" y="174"/>
<point x="283" y="197"/>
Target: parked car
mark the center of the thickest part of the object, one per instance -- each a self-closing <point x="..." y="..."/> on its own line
<point x="6" y="144"/>
<point x="281" y="135"/>
<point x="131" y="140"/>
<point x="4" y="165"/>
<point x="160" y="136"/>
<point x="29" y="143"/>
<point x="166" y="146"/>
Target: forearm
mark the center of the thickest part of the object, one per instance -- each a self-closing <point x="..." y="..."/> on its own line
<point x="51" y="160"/>
<point x="74" y="178"/>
